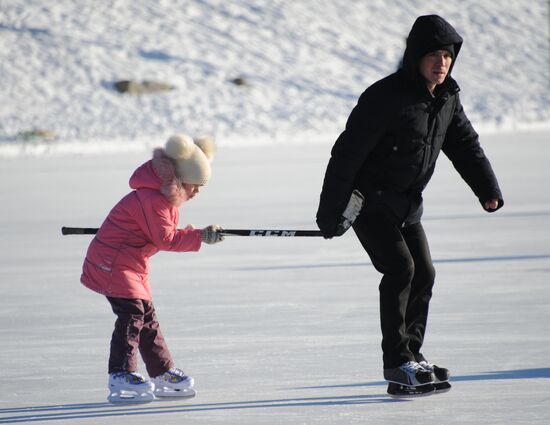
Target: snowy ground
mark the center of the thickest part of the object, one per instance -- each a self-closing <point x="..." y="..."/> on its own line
<point x="278" y="330"/>
<point x="306" y="63"/>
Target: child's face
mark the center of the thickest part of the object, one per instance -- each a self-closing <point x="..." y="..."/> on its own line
<point x="191" y="190"/>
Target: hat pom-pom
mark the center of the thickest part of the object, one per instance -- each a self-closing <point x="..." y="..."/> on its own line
<point x="207" y="146"/>
<point x="180" y="146"/>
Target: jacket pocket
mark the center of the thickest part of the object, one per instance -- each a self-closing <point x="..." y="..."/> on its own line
<point x="404" y="163"/>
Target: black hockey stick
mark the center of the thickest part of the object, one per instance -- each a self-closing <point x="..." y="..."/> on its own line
<point x="225" y="232"/>
<point x="349" y="215"/>
<point x="270" y="232"/>
<point x="79" y="230"/>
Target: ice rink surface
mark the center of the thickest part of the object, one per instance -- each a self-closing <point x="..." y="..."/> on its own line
<point x="278" y="330"/>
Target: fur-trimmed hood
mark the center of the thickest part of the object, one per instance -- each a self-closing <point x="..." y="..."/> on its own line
<point x="160" y="173"/>
<point x="142" y="223"/>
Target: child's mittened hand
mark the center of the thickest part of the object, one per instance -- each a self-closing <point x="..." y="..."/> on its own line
<point x="211" y="234"/>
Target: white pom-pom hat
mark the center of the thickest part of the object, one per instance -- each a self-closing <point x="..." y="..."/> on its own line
<point x="192" y="158"/>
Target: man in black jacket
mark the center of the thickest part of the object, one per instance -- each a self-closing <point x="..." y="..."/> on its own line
<point x="388" y="152"/>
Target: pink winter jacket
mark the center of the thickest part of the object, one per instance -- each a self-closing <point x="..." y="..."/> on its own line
<point x="141" y="224"/>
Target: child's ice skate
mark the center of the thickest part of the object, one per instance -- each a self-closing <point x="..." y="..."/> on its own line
<point x="174" y="383"/>
<point x="130" y="387"/>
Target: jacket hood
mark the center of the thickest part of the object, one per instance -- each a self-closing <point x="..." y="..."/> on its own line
<point x="427" y="34"/>
<point x="160" y="174"/>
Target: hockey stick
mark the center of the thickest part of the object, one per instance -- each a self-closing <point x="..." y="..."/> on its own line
<point x="79" y="230"/>
<point x="348" y="217"/>
<point x="224" y="232"/>
<point x="271" y="232"/>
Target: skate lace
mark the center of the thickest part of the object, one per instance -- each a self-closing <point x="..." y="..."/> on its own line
<point x="130" y="377"/>
<point x="426" y="365"/>
<point x="411" y="367"/>
<point x="175" y="375"/>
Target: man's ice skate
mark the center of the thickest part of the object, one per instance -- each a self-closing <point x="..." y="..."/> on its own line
<point x="409" y="380"/>
<point x="130" y="387"/>
<point x="440" y="376"/>
<point x="174" y="383"/>
<point x="406" y="391"/>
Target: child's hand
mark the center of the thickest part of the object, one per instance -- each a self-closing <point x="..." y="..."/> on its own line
<point x="211" y="234"/>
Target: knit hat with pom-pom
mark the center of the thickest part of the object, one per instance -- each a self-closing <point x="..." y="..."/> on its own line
<point x="192" y="158"/>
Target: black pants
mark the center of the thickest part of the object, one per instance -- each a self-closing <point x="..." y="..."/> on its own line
<point x="402" y="255"/>
<point x="137" y="329"/>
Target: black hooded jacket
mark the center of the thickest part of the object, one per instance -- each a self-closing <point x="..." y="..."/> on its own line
<point x="394" y="134"/>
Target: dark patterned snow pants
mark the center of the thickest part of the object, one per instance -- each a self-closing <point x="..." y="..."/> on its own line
<point x="137" y="329"/>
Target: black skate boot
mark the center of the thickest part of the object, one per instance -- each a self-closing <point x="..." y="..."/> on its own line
<point x="409" y="380"/>
<point x="440" y="376"/>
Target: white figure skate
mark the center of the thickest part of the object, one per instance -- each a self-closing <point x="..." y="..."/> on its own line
<point x="130" y="387"/>
<point x="174" y="383"/>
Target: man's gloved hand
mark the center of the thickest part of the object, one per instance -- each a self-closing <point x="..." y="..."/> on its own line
<point x="351" y="212"/>
<point x="327" y="231"/>
<point x="211" y="234"/>
<point x="353" y="209"/>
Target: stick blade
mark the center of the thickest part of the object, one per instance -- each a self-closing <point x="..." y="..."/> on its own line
<point x="78" y="231"/>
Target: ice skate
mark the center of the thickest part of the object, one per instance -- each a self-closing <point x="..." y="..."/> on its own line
<point x="407" y="391"/>
<point x="440" y="376"/>
<point x="174" y="383"/>
<point x="409" y="380"/>
<point x="130" y="387"/>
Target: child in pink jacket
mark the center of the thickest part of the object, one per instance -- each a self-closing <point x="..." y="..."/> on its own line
<point x="117" y="265"/>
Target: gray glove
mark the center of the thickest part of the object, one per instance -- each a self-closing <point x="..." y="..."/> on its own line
<point x="351" y="212"/>
<point x="211" y="234"/>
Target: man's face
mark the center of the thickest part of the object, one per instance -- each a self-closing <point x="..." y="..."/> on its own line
<point x="434" y="67"/>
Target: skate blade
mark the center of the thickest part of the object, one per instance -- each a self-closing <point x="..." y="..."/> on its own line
<point x="172" y="393"/>
<point x="442" y="387"/>
<point x="409" y="391"/>
<point x="122" y="397"/>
